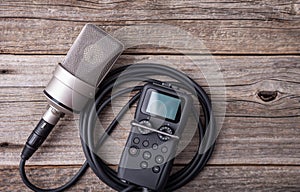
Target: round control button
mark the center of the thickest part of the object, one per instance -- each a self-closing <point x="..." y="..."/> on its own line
<point x="145" y="143"/>
<point x="136" y="140"/>
<point x="165" y="129"/>
<point x="147" y="124"/>
<point x="154" y="146"/>
<point x="164" y="149"/>
<point x="133" y="151"/>
<point x="146" y="155"/>
<point x="156" y="169"/>
<point x="144" y="165"/>
<point x="159" y="159"/>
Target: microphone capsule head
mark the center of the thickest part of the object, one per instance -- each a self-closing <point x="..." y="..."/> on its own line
<point x="90" y="58"/>
<point x="92" y="54"/>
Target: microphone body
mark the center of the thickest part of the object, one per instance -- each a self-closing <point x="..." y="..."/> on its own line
<point x="89" y="59"/>
<point x="75" y="80"/>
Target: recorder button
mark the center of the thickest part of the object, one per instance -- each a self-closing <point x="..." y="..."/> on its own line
<point x="136" y="140"/>
<point x="154" y="146"/>
<point x="145" y="143"/>
<point x="159" y="159"/>
<point x="133" y="151"/>
<point x="167" y="130"/>
<point x="147" y="124"/>
<point x="144" y="165"/>
<point x="156" y="169"/>
<point x="164" y="149"/>
<point x="146" y="155"/>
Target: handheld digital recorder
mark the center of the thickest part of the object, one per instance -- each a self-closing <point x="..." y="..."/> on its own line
<point x="159" y="120"/>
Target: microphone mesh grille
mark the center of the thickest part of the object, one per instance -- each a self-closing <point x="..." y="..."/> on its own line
<point x="92" y="54"/>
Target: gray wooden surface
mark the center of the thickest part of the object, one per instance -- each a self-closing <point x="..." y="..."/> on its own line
<point x="256" y="44"/>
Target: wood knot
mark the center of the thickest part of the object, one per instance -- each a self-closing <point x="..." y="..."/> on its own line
<point x="4" y="144"/>
<point x="5" y="71"/>
<point x="267" y="96"/>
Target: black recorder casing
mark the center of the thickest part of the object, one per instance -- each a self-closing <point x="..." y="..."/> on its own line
<point x="148" y="156"/>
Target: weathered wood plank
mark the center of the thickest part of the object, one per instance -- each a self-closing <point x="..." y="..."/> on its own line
<point x="36" y="71"/>
<point x="219" y="36"/>
<point x="242" y="139"/>
<point x="212" y="178"/>
<point x="276" y="74"/>
<point x="239" y="104"/>
<point x="152" y="10"/>
<point x="254" y="131"/>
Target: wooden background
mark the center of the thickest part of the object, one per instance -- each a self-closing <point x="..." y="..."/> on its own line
<point x="256" y="43"/>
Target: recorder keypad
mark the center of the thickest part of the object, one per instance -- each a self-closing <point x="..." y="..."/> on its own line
<point x="148" y="153"/>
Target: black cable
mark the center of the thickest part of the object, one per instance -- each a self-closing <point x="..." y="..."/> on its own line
<point x="88" y="117"/>
<point x="73" y="180"/>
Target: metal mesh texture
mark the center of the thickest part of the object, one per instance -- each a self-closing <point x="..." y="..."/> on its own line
<point x="92" y="54"/>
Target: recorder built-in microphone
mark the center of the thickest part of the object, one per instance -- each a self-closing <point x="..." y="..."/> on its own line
<point x="75" y="80"/>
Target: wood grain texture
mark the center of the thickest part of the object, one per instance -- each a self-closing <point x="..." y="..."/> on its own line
<point x="219" y="36"/>
<point x="252" y="27"/>
<point x="87" y="11"/>
<point x="35" y="71"/>
<point x="241" y="141"/>
<point x="254" y="131"/>
<point x="279" y="74"/>
<point x="258" y="43"/>
<point x="212" y="178"/>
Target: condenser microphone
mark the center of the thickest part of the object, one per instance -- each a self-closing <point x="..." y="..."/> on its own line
<point x="75" y="80"/>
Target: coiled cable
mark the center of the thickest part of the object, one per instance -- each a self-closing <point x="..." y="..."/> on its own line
<point x="140" y="73"/>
